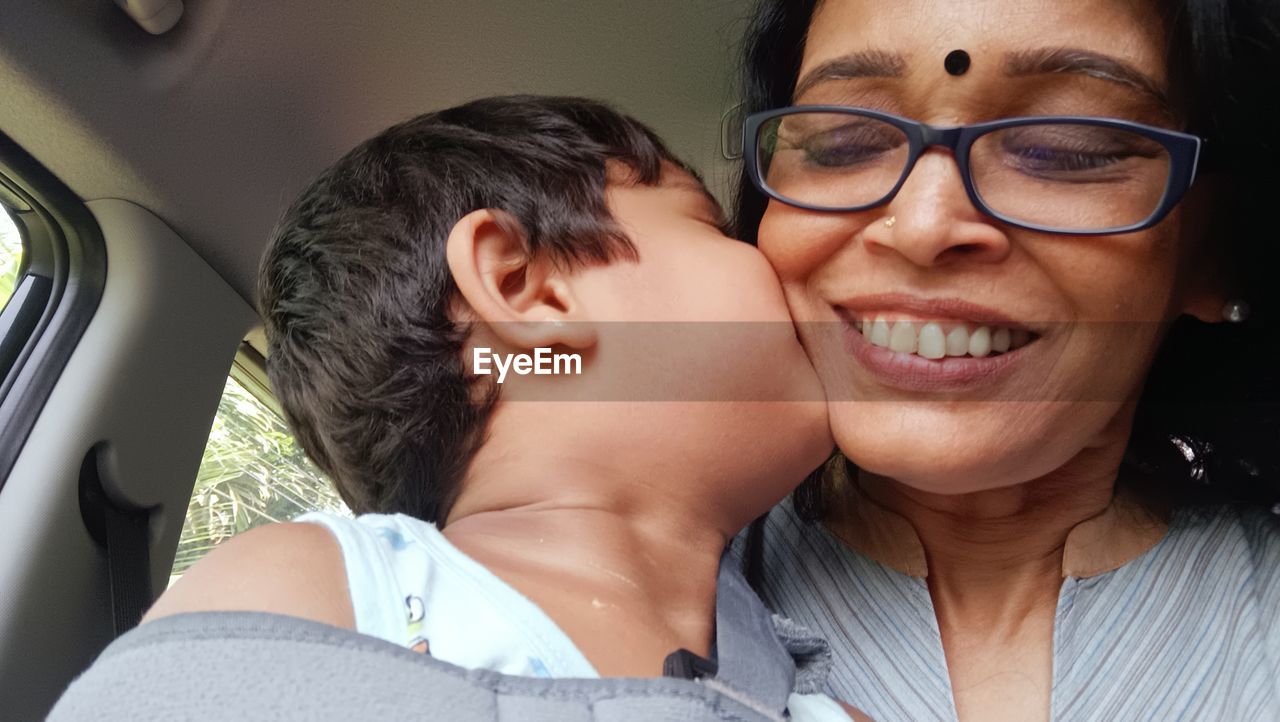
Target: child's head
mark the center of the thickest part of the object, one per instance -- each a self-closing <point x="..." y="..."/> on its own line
<point x="512" y="224"/>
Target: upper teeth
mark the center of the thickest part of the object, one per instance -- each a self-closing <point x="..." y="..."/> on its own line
<point x="927" y="338"/>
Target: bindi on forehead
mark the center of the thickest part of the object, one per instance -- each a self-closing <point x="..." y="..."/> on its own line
<point x="956" y="63"/>
<point x="1063" y="61"/>
<point x="1120" y="42"/>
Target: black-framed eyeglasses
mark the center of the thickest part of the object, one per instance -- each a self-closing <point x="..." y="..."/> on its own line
<point x="1056" y="174"/>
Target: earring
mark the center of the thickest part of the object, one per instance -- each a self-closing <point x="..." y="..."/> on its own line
<point x="1196" y="452"/>
<point x="888" y="222"/>
<point x="1235" y="311"/>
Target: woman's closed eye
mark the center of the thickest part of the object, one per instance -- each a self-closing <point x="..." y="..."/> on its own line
<point x="849" y="144"/>
<point x="1074" y="154"/>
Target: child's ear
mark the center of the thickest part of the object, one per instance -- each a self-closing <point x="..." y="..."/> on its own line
<point x="529" y="303"/>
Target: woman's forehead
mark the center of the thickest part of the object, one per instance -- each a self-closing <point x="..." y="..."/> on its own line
<point x="911" y="38"/>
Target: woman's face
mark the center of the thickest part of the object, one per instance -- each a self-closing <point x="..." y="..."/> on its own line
<point x="1085" y="314"/>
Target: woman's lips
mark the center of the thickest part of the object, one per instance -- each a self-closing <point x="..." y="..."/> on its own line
<point x="926" y="355"/>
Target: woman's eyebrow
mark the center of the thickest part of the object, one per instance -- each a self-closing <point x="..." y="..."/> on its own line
<point x="860" y="64"/>
<point x="1042" y="61"/>
<point x="883" y="64"/>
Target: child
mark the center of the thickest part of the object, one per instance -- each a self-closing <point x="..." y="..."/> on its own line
<point x="516" y="336"/>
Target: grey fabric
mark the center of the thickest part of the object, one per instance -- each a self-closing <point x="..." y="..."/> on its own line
<point x="751" y="656"/>
<point x="244" y="665"/>
<point x="811" y="654"/>
<point x="1187" y="631"/>
<point x="252" y="666"/>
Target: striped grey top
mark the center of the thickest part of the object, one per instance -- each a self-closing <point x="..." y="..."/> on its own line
<point x="1190" y="630"/>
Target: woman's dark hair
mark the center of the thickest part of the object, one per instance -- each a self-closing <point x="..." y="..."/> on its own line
<point x="357" y="298"/>
<point x="1207" y="427"/>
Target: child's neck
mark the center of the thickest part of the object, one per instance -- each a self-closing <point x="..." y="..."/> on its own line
<point x="627" y="570"/>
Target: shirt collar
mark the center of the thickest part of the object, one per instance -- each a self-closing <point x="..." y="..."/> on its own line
<point x="1117" y="535"/>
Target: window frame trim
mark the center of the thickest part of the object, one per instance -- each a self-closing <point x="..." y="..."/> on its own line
<point x="62" y="243"/>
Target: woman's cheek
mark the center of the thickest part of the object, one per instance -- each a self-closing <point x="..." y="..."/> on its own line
<point x="797" y="243"/>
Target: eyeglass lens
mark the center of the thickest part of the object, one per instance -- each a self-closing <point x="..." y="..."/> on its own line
<point x="1053" y="174"/>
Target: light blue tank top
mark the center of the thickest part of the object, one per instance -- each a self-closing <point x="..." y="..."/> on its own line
<point x="413" y="588"/>
<point x="410" y="586"/>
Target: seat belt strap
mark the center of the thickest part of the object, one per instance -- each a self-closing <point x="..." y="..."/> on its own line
<point x="129" y="564"/>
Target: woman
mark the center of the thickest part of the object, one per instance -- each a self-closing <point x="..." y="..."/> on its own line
<point x="1046" y="350"/>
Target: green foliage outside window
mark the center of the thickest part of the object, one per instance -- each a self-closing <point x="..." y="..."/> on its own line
<point x="253" y="473"/>
<point x="10" y="256"/>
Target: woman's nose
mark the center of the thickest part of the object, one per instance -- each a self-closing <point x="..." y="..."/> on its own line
<point x="931" y="220"/>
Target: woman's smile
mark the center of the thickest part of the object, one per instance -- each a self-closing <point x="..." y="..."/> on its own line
<point x="916" y="344"/>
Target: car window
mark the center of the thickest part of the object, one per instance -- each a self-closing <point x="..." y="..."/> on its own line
<point x="10" y="255"/>
<point x="253" y="472"/>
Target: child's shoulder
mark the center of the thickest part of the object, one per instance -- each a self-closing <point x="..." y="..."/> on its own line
<point x="286" y="568"/>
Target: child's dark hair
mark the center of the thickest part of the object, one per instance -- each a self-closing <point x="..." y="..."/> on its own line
<point x="357" y="298"/>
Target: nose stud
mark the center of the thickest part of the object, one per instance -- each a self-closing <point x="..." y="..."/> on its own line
<point x="888" y="222"/>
